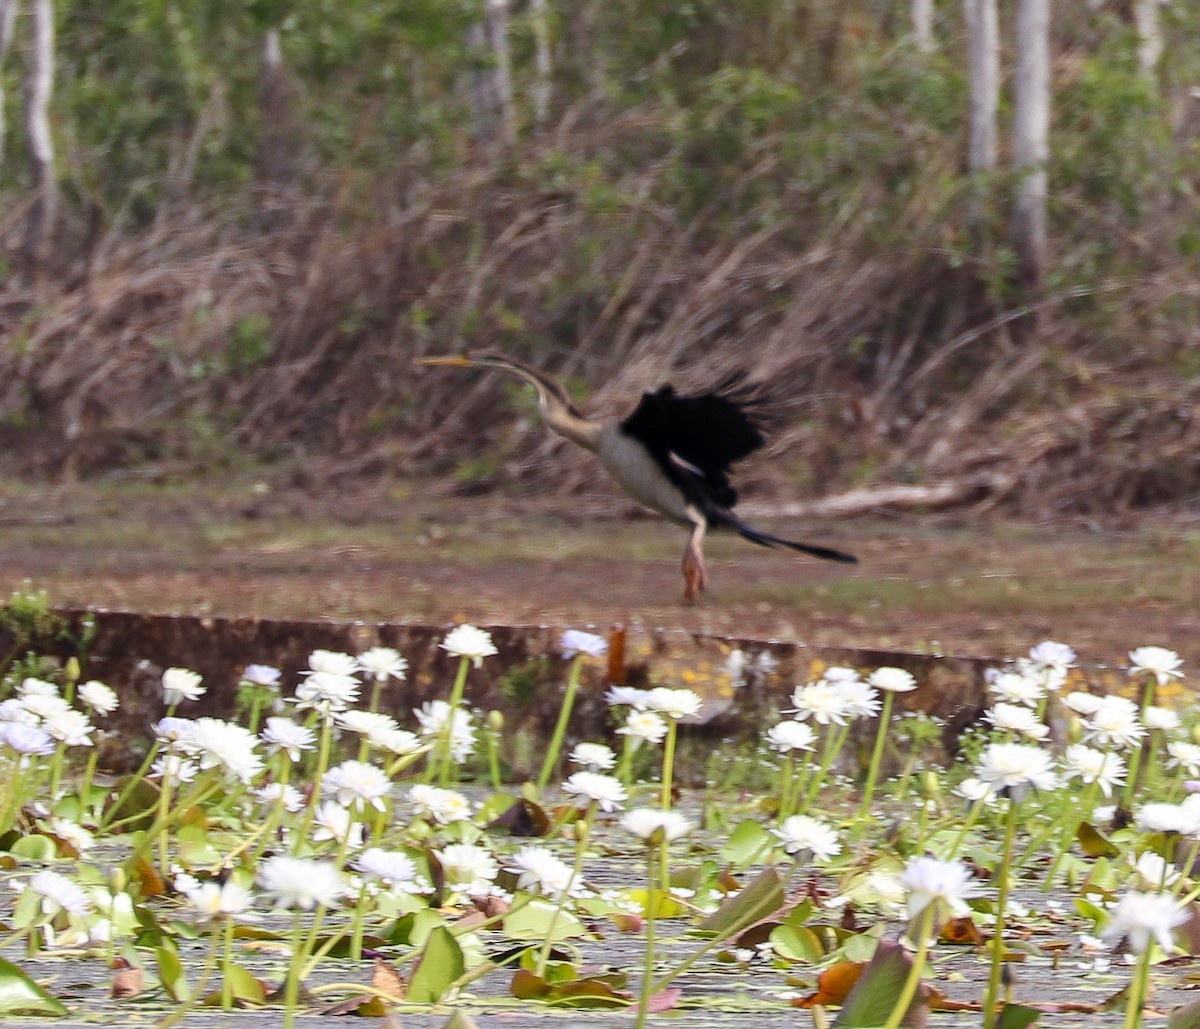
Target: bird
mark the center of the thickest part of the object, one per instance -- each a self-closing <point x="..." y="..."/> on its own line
<point x="673" y="453"/>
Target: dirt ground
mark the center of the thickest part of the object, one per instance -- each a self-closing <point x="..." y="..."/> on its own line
<point x="414" y="551"/>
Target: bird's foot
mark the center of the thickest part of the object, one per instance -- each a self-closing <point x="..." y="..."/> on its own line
<point x="695" y="576"/>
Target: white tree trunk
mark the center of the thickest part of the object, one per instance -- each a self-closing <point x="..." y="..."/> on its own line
<point x="1031" y="130"/>
<point x="542" y="66"/>
<point x="922" y="24"/>
<point x="1150" y="40"/>
<point x="983" y="58"/>
<point x="37" y="130"/>
<point x="8" y="16"/>
<point x="495" y="110"/>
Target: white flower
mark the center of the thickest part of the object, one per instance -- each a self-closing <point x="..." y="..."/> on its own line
<point x="1140" y="917"/>
<point x="892" y="680"/>
<point x="276" y="792"/>
<point x="60" y="894"/>
<point x="100" y="698"/>
<point x="593" y="755"/>
<point x="791" y="735"/>
<point x="334" y="822"/>
<point x="172" y="731"/>
<point x="327" y="692"/>
<point x="31" y="687"/>
<point x="1090" y="765"/>
<point x="974" y="790"/>
<point x="44" y="705"/>
<point x="1160" y="662"/>
<point x="383" y="663"/>
<point x="357" y="782"/>
<point x="1051" y="655"/>
<point x="282" y="734"/>
<point x="595" y="788"/>
<point x="401" y="742"/>
<point x="26" y="739"/>
<point x="13" y="710"/>
<point x="1019" y="719"/>
<point x="945" y="884"/>
<point x="70" y="727"/>
<point x="644" y="726"/>
<point x="332" y="662"/>
<point x="467" y="868"/>
<point x="262" y="675"/>
<point x="1015" y="688"/>
<point x="1012" y="766"/>
<point x="821" y="701"/>
<point x="221" y="744"/>
<point x="1114" y="723"/>
<point x="800" y="833"/>
<point x="393" y="867"/>
<point x="836" y="674"/>
<point x="861" y="699"/>
<point x="674" y="703"/>
<point x="72" y="832"/>
<point x="538" y="870"/>
<point x="442" y="805"/>
<point x="433" y="715"/>
<point x="1184" y="755"/>
<point x="629" y="696"/>
<point x="1162" y="817"/>
<point x="213" y="900"/>
<point x="181" y="684"/>
<point x="1154" y="871"/>
<point x="574" y="642"/>
<point x="466" y="641"/>
<point x="302" y="882"/>
<point x="173" y="769"/>
<point x="1162" y="718"/>
<point x="654" y="825"/>
<point x="1082" y="703"/>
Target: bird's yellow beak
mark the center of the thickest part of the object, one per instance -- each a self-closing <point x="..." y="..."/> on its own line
<point x="451" y="361"/>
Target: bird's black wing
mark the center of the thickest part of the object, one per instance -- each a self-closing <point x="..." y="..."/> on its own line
<point x="696" y="439"/>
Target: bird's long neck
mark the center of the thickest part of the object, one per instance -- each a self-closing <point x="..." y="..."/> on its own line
<point x="555" y="407"/>
<point x="569" y="423"/>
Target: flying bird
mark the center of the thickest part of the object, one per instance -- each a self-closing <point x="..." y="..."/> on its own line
<point x="673" y="453"/>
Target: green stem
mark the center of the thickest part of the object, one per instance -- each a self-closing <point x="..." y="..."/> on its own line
<point x="196" y="995"/>
<point x="913" y="981"/>
<point x="226" y="960"/>
<point x="583" y="830"/>
<point x="1137" y="991"/>
<point x="972" y="817"/>
<point x="1002" y="873"/>
<point x="1135" y="759"/>
<point x="786" y="776"/>
<point x="310" y="810"/>
<point x="1072" y="815"/>
<point x="291" y="989"/>
<point x="834" y="741"/>
<point x="560" y="727"/>
<point x="648" y="959"/>
<point x="885" y="718"/>
<point x="443" y="752"/>
<point x="668" y="767"/>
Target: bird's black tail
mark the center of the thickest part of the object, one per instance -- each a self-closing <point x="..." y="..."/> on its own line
<point x="765" y="539"/>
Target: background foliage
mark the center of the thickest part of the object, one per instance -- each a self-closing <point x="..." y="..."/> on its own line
<point x="249" y="257"/>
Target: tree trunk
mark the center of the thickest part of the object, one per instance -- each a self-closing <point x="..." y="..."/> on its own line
<point x="8" y="16"/>
<point x="922" y="24"/>
<point x="983" y="58"/>
<point x="1031" y="128"/>
<point x="542" y="66"/>
<point x="494" y="107"/>
<point x="37" y="130"/>
<point x="1150" y="41"/>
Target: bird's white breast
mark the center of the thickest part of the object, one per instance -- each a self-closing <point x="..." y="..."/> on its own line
<point x="639" y="474"/>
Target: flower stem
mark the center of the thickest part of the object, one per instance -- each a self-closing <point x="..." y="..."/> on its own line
<point x="648" y="959"/>
<point x="885" y="719"/>
<point x="1135" y="758"/>
<point x="560" y="727"/>
<point x="1137" y="990"/>
<point x="1002" y="872"/>
<point x="442" y="756"/>
<point x="913" y="981"/>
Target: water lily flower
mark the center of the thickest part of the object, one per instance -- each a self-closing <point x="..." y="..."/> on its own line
<point x="1017" y="718"/>
<point x="60" y="894"/>
<point x="1142" y="917"/>
<point x="947" y="885"/>
<point x="283" y="734"/>
<point x="540" y="871"/>
<point x="1160" y="662"/>
<point x="467" y="868"/>
<point x="1090" y="765"/>
<point x="442" y="805"/>
<point x="801" y="833"/>
<point x="674" y="703"/>
<point x="574" y="642"/>
<point x="383" y="663"/>
<point x="302" y="882"/>
<point x="595" y="756"/>
<point x="466" y="641"/>
<point x="647" y="726"/>
<point x="226" y="745"/>
<point x="605" y="791"/>
<point x="357" y="782"/>
<point x="1114" y="723"/>
<point x="332" y="662"/>
<point x="653" y="824"/>
<point x="181" y="684"/>
<point x="100" y="698"/>
<point x="790" y="735"/>
<point x="892" y="680"/>
<point x="1013" y="766"/>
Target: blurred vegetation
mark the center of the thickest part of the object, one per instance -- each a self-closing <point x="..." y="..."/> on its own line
<point x="250" y="254"/>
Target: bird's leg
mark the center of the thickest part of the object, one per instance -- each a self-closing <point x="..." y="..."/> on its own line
<point x="695" y="577"/>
